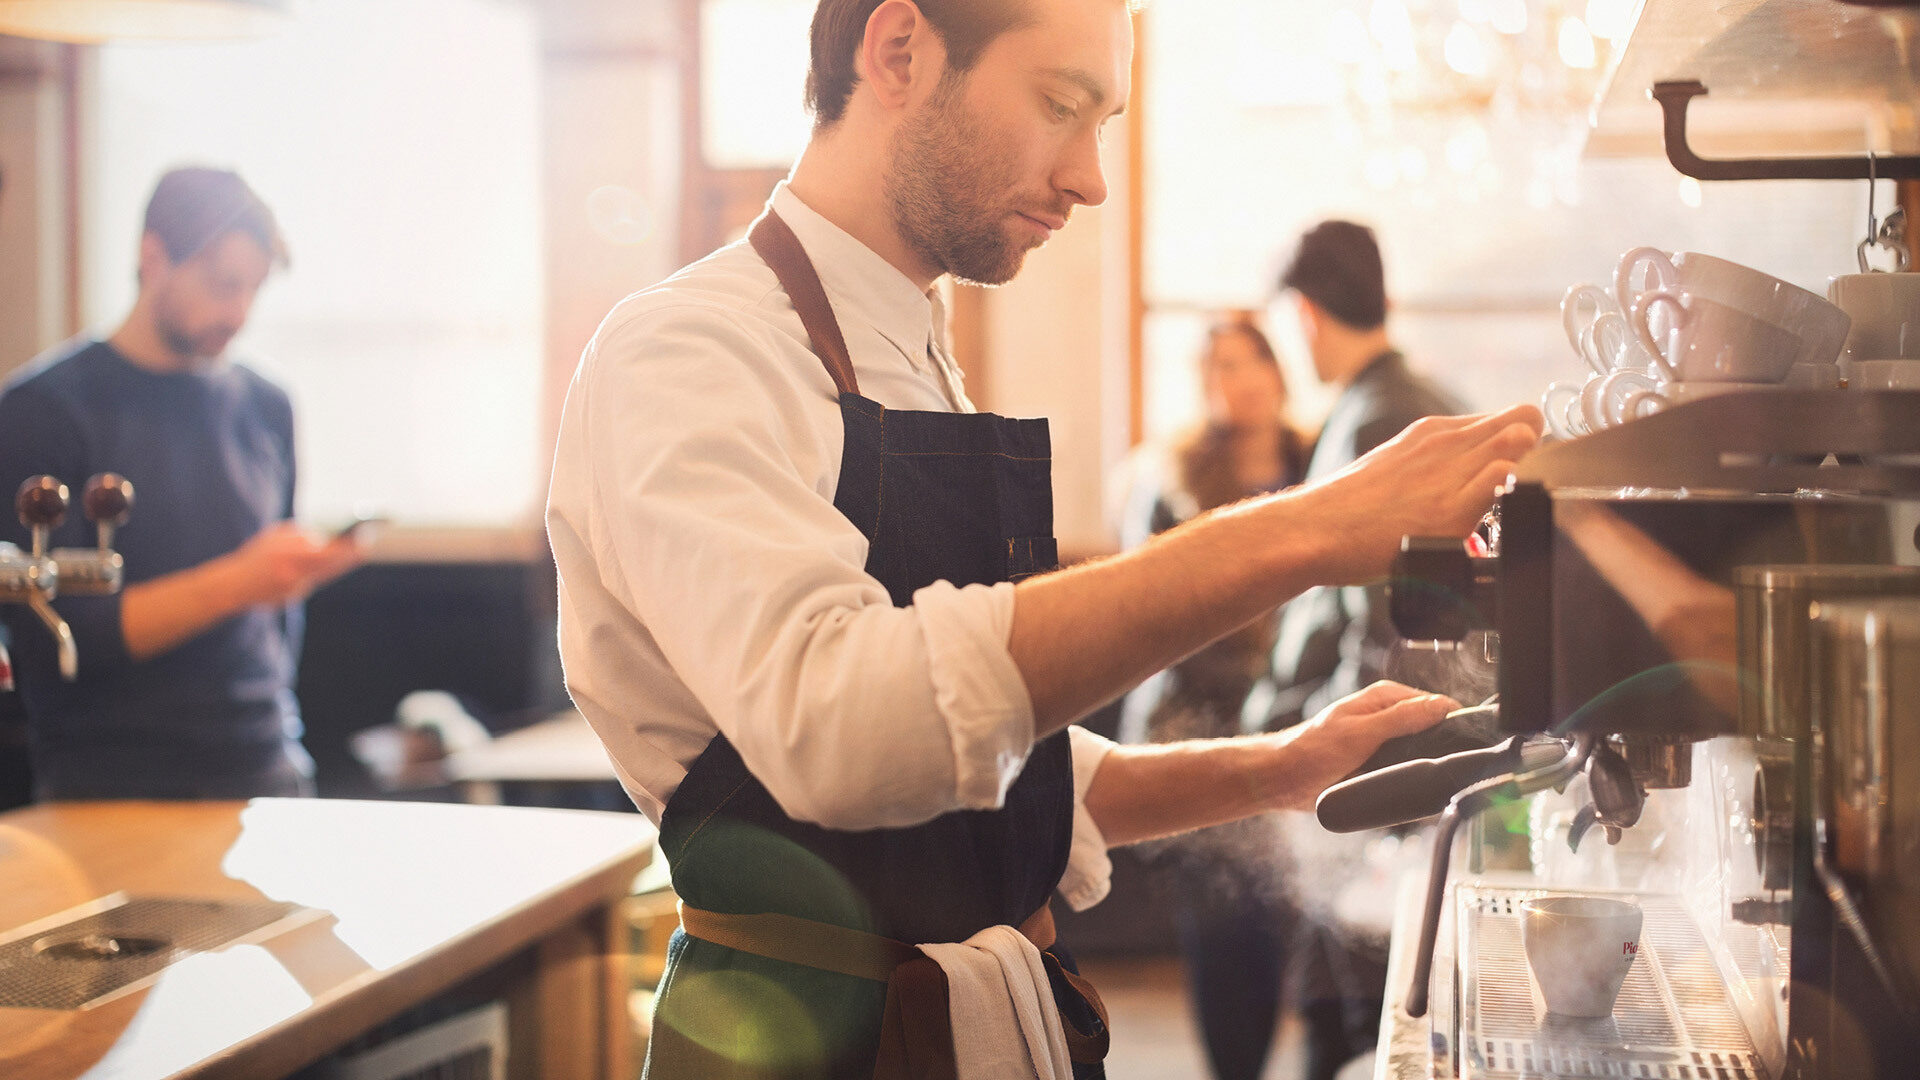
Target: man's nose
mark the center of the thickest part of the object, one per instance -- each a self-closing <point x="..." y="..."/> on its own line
<point x="1081" y="176"/>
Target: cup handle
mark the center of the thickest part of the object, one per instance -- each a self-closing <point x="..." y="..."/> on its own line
<point x="1580" y="308"/>
<point x="1610" y="338"/>
<point x="1558" y="405"/>
<point x="1642" y="403"/>
<point x="1643" y="306"/>
<point x="1661" y="274"/>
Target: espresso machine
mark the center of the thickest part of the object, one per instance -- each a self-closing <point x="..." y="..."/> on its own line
<point x="1706" y="630"/>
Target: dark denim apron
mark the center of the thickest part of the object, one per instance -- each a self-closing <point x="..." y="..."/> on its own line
<point x="965" y="498"/>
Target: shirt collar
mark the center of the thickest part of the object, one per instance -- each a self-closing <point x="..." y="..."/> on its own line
<point x="868" y="286"/>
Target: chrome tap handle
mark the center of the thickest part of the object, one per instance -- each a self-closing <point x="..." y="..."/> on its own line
<point x="107" y="501"/>
<point x="97" y="571"/>
<point x="62" y="634"/>
<point x="42" y="505"/>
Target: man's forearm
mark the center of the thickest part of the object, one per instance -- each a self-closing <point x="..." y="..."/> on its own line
<point x="1146" y="792"/>
<point x="159" y="615"/>
<point x="1085" y="634"/>
<point x="1143" y="792"/>
<point x="1082" y="636"/>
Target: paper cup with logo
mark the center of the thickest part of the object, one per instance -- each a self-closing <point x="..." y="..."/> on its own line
<point x="1580" y="949"/>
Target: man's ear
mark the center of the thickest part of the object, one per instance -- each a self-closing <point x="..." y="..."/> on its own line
<point x="1310" y="315"/>
<point x="154" y="260"/>
<point x="900" y="54"/>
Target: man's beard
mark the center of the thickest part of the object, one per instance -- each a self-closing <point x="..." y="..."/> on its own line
<point x="946" y="187"/>
<point x="206" y="343"/>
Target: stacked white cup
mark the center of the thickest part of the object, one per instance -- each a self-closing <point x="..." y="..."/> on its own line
<point x="1728" y="327"/>
<point x="1618" y="365"/>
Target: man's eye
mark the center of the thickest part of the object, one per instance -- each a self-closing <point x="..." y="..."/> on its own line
<point x="1059" y="111"/>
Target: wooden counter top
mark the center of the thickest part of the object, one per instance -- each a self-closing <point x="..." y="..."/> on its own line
<point x="420" y="896"/>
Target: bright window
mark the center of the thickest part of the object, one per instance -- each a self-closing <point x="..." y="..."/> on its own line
<point x="398" y="143"/>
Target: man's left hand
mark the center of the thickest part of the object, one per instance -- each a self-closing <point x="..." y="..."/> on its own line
<point x="1325" y="749"/>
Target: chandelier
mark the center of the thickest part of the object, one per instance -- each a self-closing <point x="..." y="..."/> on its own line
<point x="1483" y="98"/>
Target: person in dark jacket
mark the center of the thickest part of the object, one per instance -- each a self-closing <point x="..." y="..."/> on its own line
<point x="1333" y="641"/>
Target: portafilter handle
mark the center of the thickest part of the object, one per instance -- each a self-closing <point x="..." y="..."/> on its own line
<point x="1424" y="787"/>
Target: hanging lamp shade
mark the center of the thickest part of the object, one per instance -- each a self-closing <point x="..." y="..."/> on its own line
<point x="92" y="21"/>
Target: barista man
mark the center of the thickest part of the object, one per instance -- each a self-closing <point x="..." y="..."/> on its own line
<point x="803" y="584"/>
<point x="186" y="676"/>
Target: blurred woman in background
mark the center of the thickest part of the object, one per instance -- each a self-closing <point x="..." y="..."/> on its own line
<point x="1230" y="916"/>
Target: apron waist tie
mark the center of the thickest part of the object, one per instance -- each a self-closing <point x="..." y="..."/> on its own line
<point x="916" y="1035"/>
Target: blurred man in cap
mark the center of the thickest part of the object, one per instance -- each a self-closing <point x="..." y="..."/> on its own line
<point x="185" y="686"/>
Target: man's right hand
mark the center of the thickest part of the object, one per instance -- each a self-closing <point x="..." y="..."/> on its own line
<point x="284" y="562"/>
<point x="1436" y="478"/>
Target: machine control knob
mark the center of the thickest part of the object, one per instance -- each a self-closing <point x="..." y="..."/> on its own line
<point x="42" y="502"/>
<point x="108" y="498"/>
<point x="1440" y="592"/>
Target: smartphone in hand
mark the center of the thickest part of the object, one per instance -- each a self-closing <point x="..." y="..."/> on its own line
<point x="362" y="528"/>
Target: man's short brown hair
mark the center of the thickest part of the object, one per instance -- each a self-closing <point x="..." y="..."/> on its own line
<point x="1338" y="267"/>
<point x="966" y="28"/>
<point x="192" y="207"/>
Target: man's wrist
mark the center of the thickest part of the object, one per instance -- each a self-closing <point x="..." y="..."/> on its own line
<point x="228" y="585"/>
<point x="1292" y="554"/>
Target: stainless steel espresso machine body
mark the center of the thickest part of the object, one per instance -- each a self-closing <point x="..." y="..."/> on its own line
<point x="1709" y="681"/>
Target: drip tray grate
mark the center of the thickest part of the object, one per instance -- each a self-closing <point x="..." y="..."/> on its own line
<point x="116" y="944"/>
<point x="1672" y="1021"/>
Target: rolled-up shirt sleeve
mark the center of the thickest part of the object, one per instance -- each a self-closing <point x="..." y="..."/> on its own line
<point x="852" y="712"/>
<point x="1089" y="875"/>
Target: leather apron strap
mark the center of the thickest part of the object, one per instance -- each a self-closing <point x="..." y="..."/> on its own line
<point x="775" y="242"/>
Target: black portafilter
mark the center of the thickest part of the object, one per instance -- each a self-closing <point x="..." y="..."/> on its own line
<point x="1438" y="592"/>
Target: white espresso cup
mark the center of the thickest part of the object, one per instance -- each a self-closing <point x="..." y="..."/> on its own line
<point x="1580" y="949"/>
<point x="1886" y="315"/>
<point x="1818" y="325"/>
<point x="1712" y="342"/>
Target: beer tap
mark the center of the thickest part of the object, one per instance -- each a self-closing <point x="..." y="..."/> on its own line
<point x="97" y="571"/>
<point x="42" y="505"/>
<point x="35" y="577"/>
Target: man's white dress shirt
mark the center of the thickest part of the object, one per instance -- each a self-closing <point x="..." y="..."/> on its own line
<point x="708" y="584"/>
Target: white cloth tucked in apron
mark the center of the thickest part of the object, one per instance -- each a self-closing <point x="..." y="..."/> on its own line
<point x="1005" y="1021"/>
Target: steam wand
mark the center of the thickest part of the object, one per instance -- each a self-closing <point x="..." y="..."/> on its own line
<point x="1468" y="804"/>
